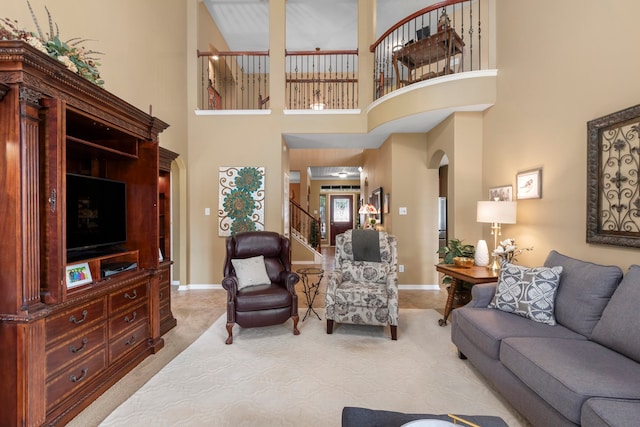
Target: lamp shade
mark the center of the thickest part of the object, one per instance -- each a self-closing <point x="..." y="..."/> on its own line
<point x="368" y="209"/>
<point x="495" y="211"/>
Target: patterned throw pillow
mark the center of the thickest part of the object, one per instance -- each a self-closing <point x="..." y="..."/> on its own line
<point x="528" y="292"/>
<point x="364" y="271"/>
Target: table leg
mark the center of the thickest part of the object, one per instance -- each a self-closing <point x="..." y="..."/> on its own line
<point x="449" y="305"/>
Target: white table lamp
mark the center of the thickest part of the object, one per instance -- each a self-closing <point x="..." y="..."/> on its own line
<point x="496" y="213"/>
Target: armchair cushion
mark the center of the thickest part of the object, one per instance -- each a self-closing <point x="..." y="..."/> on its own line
<point x="363" y="271"/>
<point x="250" y="271"/>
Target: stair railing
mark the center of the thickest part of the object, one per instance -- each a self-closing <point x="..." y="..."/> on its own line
<point x="305" y="225"/>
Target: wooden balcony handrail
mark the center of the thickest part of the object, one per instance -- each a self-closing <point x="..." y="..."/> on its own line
<point x="319" y="52"/>
<point x="234" y="53"/>
<point x="403" y="21"/>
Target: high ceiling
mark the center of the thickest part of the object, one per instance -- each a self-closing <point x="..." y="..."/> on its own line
<point x="329" y="25"/>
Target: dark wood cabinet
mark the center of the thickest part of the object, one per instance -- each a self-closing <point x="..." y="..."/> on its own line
<point x="167" y="321"/>
<point x="63" y="345"/>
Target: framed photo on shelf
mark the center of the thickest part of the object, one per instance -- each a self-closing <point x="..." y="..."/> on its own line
<point x="501" y="194"/>
<point x="78" y="274"/>
<point x="529" y="184"/>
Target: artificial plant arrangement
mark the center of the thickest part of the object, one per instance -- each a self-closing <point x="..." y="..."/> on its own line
<point x="74" y="56"/>
<point x="456" y="248"/>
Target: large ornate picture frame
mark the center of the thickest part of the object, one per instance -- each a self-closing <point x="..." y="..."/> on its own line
<point x="613" y="178"/>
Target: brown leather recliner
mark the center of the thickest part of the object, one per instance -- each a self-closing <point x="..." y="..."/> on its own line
<point x="267" y="304"/>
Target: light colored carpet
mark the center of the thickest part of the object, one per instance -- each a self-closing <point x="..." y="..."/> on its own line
<point x="270" y="377"/>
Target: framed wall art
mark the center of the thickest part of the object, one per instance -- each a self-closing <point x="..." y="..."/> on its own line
<point x="376" y="200"/>
<point x="529" y="184"/>
<point x="501" y="194"/>
<point x="613" y="187"/>
<point x="241" y="199"/>
<point x="78" y="274"/>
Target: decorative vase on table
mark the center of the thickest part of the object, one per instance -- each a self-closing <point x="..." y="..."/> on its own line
<point x="482" y="254"/>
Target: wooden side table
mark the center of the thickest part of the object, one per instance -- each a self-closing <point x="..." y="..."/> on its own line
<point x="474" y="275"/>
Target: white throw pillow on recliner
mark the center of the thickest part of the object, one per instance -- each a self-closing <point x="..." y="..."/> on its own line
<point x="251" y="271"/>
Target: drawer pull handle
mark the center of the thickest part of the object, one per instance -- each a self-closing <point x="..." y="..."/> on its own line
<point x="133" y="318"/>
<point x="73" y="348"/>
<point x="131" y="341"/>
<point x="161" y="295"/>
<point x="132" y="296"/>
<point x="75" y="379"/>
<point x="73" y="319"/>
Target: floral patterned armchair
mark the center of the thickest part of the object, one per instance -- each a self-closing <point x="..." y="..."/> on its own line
<point x="363" y="292"/>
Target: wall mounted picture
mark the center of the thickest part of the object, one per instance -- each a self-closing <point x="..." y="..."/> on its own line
<point x="78" y="274"/>
<point x="501" y="194"/>
<point x="529" y="184"/>
<point x="241" y="199"/>
<point x="613" y="194"/>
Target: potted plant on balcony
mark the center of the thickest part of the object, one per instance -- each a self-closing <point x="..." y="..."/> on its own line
<point x="457" y="249"/>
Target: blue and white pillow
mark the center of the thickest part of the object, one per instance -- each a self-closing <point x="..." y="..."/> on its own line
<point x="528" y="292"/>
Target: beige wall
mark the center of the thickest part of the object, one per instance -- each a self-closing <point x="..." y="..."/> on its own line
<point x="561" y="64"/>
<point x="143" y="63"/>
<point x="556" y="72"/>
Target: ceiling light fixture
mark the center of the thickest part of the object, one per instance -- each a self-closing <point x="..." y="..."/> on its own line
<point x="317" y="104"/>
<point x="342" y="175"/>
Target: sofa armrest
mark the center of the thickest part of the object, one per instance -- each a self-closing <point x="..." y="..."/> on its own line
<point x="481" y="295"/>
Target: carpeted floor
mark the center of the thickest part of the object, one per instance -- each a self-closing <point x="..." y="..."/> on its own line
<point x="270" y="377"/>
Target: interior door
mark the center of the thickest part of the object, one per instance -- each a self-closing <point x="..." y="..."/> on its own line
<point x="341" y="211"/>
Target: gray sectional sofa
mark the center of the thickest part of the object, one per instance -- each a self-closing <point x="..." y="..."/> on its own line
<point x="584" y="370"/>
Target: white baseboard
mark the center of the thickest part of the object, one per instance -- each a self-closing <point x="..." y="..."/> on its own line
<point x="198" y="286"/>
<point x="419" y="287"/>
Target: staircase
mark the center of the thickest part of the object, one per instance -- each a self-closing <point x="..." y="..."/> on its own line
<point x="305" y="229"/>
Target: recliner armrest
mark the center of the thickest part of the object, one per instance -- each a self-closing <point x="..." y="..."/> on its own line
<point x="230" y="283"/>
<point x="481" y="295"/>
<point x="289" y="279"/>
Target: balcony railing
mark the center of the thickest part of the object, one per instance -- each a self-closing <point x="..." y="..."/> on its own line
<point x="441" y="39"/>
<point x="320" y="80"/>
<point x="315" y="80"/>
<point x="234" y="80"/>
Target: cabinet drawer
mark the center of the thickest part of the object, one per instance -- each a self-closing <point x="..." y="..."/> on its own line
<point x="72" y="350"/>
<point x="74" y="377"/>
<point x="72" y="321"/>
<point x="165" y="292"/>
<point x="127" y="319"/>
<point x="128" y="296"/>
<point x="163" y="276"/>
<point x="128" y="341"/>
<point x="165" y="310"/>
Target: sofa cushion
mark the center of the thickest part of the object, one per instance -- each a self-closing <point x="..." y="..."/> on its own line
<point x="598" y="412"/>
<point x="486" y="328"/>
<point x="527" y="292"/>
<point x="618" y="328"/>
<point x="584" y="291"/>
<point x="565" y="373"/>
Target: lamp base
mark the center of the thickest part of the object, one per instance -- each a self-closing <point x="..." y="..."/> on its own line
<point x="495" y="265"/>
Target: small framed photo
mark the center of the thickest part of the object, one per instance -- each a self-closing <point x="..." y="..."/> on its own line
<point x="529" y="184"/>
<point x="78" y="274"/>
<point x="501" y="194"/>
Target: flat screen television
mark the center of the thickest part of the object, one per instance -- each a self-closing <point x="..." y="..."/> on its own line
<point x="96" y="214"/>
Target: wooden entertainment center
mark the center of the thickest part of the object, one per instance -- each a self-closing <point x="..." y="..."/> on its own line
<point x="70" y="327"/>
